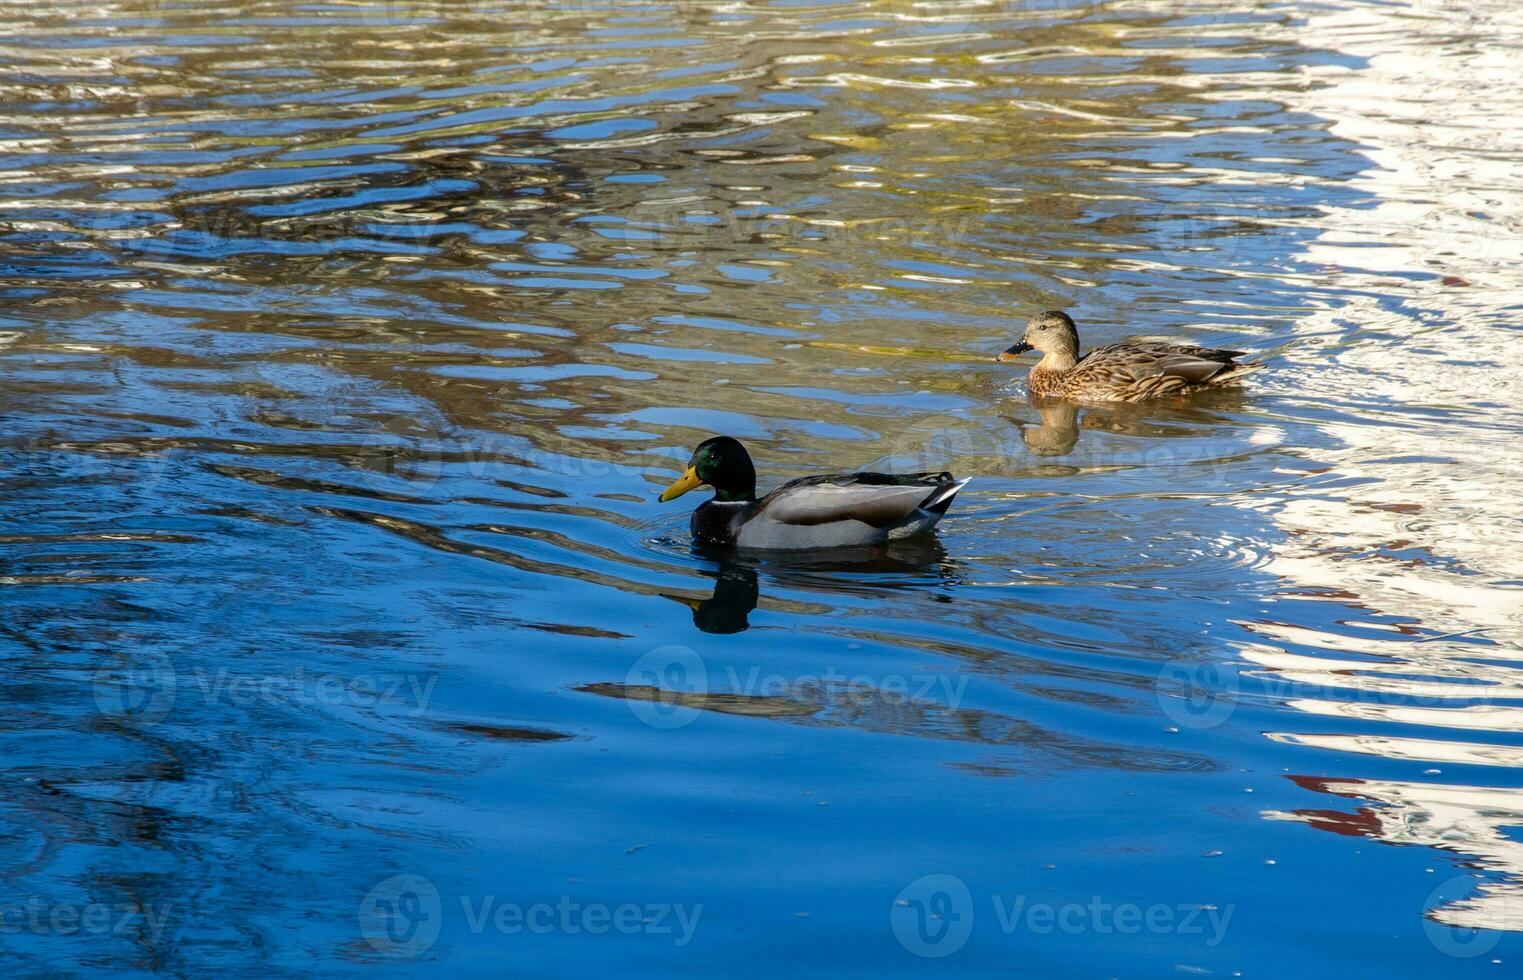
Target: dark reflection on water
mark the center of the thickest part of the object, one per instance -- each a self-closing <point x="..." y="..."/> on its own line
<point x="343" y="351"/>
<point x="907" y="564"/>
<point x="728" y="610"/>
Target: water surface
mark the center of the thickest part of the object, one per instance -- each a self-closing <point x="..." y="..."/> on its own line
<point x="345" y="347"/>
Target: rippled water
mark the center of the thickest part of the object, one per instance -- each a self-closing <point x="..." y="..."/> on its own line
<point x="345" y="346"/>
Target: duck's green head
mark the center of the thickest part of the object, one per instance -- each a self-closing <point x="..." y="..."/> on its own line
<point x="721" y="463"/>
<point x="1052" y="332"/>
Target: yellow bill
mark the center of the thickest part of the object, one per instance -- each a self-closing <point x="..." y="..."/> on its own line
<point x="687" y="481"/>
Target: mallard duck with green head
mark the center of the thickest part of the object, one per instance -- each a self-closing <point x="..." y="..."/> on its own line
<point x="833" y="511"/>
<point x="1119" y="372"/>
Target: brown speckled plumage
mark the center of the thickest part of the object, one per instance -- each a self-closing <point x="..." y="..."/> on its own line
<point x="1119" y="372"/>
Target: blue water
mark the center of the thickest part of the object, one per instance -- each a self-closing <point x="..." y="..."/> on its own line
<point x="346" y="346"/>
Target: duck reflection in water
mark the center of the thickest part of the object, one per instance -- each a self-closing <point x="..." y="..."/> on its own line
<point x="1056" y="433"/>
<point x="728" y="610"/>
<point x="737" y="576"/>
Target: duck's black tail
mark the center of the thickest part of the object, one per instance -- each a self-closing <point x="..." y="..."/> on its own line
<point x="941" y="498"/>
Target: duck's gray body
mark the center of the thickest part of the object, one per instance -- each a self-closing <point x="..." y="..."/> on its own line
<point x="835" y="511"/>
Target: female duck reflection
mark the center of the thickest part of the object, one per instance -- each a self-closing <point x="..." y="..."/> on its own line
<point x="1057" y="432"/>
<point x="737" y="576"/>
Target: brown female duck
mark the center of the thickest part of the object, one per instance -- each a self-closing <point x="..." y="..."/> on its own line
<point x="1119" y="372"/>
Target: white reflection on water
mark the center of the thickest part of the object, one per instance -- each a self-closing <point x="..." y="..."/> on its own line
<point x="1435" y="108"/>
<point x="1414" y="519"/>
<point x="1469" y="820"/>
